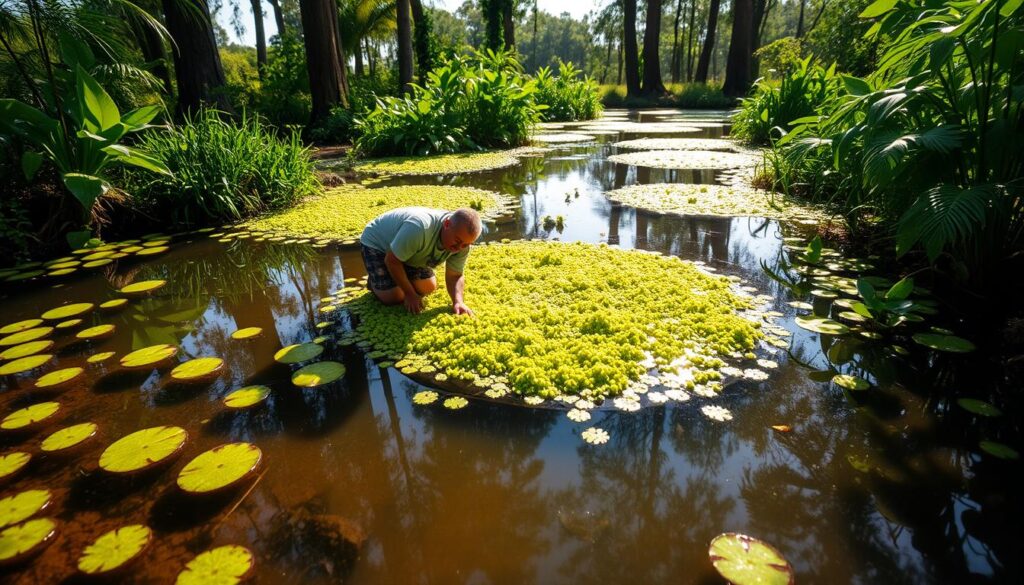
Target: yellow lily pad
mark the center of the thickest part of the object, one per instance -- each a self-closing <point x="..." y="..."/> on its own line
<point x="197" y="369"/>
<point x="247" y="333"/>
<point x="59" y="378"/>
<point x="98" y="263"/>
<point x="744" y="560"/>
<point x="152" y="251"/>
<point x="12" y="463"/>
<point x="20" y="326"/>
<point x="25" y="336"/>
<point x="113" y="304"/>
<point x="219" y="468"/>
<point x="29" y="416"/>
<point x="26" y="349"/>
<point x="68" y="311"/>
<point x="21" y="541"/>
<point x="69" y="324"/>
<point x="142" y="287"/>
<point x="850" y="382"/>
<point x="149" y="356"/>
<point x="224" y="565"/>
<point x="69" y="437"/>
<point x="97" y="332"/>
<point x="318" y="374"/>
<point x="300" y="352"/>
<point x="24" y="364"/>
<point x="143" y="449"/>
<point x="115" y="549"/>
<point x="22" y="506"/>
<point x="246" y="397"/>
<point x="100" y="357"/>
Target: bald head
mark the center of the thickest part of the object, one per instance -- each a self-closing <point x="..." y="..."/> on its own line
<point x="469" y="220"/>
<point x="460" y="230"/>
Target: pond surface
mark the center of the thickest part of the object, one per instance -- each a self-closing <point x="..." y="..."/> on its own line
<point x="884" y="487"/>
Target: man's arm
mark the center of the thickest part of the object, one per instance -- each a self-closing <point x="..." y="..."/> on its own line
<point x="396" y="268"/>
<point x="455" y="282"/>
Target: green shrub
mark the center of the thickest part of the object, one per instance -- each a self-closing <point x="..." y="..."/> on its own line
<point x="681" y="95"/>
<point x="223" y="170"/>
<point x="340" y="126"/>
<point x="284" y="93"/>
<point x="468" y="103"/>
<point x="771" y="110"/>
<point x="779" y="56"/>
<point x="567" y="97"/>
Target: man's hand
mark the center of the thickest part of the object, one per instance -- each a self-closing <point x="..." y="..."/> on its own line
<point x="462" y="309"/>
<point x="413" y="303"/>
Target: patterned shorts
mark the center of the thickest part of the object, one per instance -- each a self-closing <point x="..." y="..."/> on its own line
<point x="378" y="277"/>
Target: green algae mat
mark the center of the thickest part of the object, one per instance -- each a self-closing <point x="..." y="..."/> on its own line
<point x="715" y="200"/>
<point x="445" y="164"/>
<point x="686" y="159"/>
<point x="709" y="144"/>
<point x="343" y="213"/>
<point x="568" y="319"/>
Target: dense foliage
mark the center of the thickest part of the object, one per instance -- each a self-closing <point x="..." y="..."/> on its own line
<point x="566" y="96"/>
<point x="774" y="106"/>
<point x="222" y="170"/>
<point x="468" y="103"/>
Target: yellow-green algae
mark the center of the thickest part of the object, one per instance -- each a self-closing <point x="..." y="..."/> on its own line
<point x="555" y="319"/>
<point x="717" y="200"/>
<point x="343" y="213"/>
<point x="686" y="159"/>
<point x="445" y="164"/>
<point x="709" y="144"/>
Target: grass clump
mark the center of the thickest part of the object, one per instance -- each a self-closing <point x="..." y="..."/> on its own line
<point x="568" y="319"/>
<point x="770" y="111"/>
<point x="445" y="164"/>
<point x="566" y="96"/>
<point x="717" y="200"/>
<point x="222" y="170"/>
<point x="343" y="213"/>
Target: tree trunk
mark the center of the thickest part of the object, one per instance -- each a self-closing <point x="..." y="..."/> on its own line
<point x="737" y="67"/>
<point x="508" y="24"/>
<point x="652" y="84"/>
<point x="152" y="48"/>
<point x="689" y="43"/>
<point x="197" y="65"/>
<point x="421" y="40"/>
<point x="323" y="56"/>
<point x="709" y="43"/>
<point x="261" y="37"/>
<point x="404" y="47"/>
<point x="676" y="57"/>
<point x="607" y="59"/>
<point x="618" y="80"/>
<point x="359" y="60"/>
<point x="800" y="20"/>
<point x="278" y="16"/>
<point x="629" y="40"/>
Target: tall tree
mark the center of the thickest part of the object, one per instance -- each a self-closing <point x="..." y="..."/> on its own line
<point x="800" y="20"/>
<point x="652" y="84"/>
<point x="278" y="16"/>
<point x="197" y="66"/>
<point x="422" y="40"/>
<point x="709" y="43"/>
<point x="261" y="36"/>
<point x="508" y="23"/>
<point x="632" y="58"/>
<point x="328" y="86"/>
<point x="404" y="46"/>
<point x="689" y="43"/>
<point x="151" y="44"/>
<point x="738" y="64"/>
<point x="676" y="67"/>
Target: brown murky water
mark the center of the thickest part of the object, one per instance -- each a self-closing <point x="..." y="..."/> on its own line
<point x="882" y="488"/>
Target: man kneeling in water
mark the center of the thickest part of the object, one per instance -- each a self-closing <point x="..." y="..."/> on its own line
<point x="403" y="246"/>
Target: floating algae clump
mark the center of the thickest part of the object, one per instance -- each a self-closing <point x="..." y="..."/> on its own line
<point x="711" y="144"/>
<point x="445" y="164"/>
<point x="690" y="199"/>
<point x="343" y="213"/>
<point x="567" y="319"/>
<point x="685" y="159"/>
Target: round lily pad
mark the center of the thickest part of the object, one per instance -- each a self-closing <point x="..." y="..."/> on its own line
<point x="24" y="364"/>
<point x="29" y="416"/>
<point x="26" y="349"/>
<point x="300" y="352"/>
<point x="152" y="251"/>
<point x="67" y="311"/>
<point x="97" y="332"/>
<point x="979" y="407"/>
<point x="224" y="565"/>
<point x="59" y="378"/>
<point x="115" y="549"/>
<point x="850" y="382"/>
<point x="19" y="542"/>
<point x="113" y="304"/>
<point x="197" y="369"/>
<point x="25" y="336"/>
<point x="318" y="374"/>
<point x="143" y="449"/>
<point x="149" y="356"/>
<point x="22" y="506"/>
<point x="246" y="397"/>
<point x="143" y="287"/>
<point x="100" y="357"/>
<point x="941" y="342"/>
<point x="247" y="333"/>
<point x="70" y="323"/>
<point x="98" y="263"/>
<point x="69" y="437"/>
<point x="999" y="450"/>
<point x="20" y="326"/>
<point x="744" y="560"/>
<point x="822" y="325"/>
<point x="219" y="468"/>
<point x="12" y="463"/>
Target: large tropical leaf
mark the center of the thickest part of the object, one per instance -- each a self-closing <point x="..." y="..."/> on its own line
<point x="942" y="216"/>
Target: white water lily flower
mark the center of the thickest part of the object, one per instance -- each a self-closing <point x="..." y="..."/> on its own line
<point x="577" y="415"/>
<point x="595" y="436"/>
<point x="716" y="413"/>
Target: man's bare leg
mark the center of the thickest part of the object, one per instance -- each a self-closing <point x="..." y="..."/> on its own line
<point x="395" y="296"/>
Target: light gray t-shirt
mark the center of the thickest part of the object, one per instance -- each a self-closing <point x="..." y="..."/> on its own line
<point x="413" y="234"/>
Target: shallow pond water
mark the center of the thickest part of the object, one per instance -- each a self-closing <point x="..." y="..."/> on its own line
<point x="877" y="487"/>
